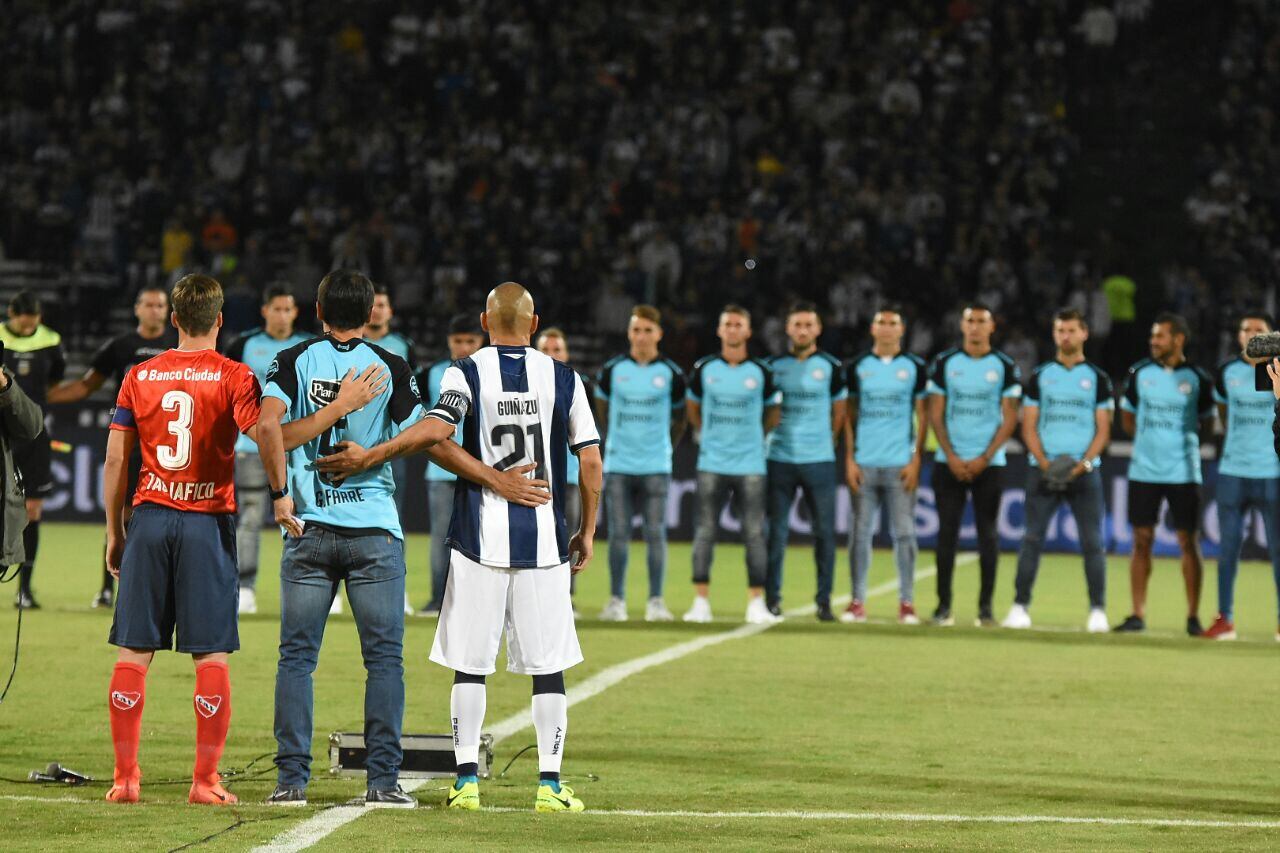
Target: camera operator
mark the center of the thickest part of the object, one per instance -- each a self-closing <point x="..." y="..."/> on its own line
<point x="20" y="421"/>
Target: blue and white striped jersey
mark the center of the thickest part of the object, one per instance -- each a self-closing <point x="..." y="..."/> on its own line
<point x="517" y="407"/>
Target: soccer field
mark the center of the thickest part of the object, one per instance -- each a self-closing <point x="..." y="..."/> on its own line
<point x="803" y="735"/>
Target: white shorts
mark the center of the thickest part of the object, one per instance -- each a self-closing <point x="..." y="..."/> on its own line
<point x="533" y="605"/>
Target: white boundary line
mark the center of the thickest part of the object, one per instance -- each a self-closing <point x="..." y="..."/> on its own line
<point x="315" y="828"/>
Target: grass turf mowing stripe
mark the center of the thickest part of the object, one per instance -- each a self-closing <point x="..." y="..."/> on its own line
<point x="317" y="827"/>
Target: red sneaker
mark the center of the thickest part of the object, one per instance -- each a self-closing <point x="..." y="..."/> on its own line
<point x="907" y="614"/>
<point x="205" y="794"/>
<point x="1221" y="629"/>
<point x="855" y="612"/>
<point x="125" y="789"/>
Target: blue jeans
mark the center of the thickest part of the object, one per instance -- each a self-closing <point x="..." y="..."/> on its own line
<point x="748" y="491"/>
<point x="1235" y="496"/>
<point x="622" y="492"/>
<point x="883" y="485"/>
<point x="817" y="484"/>
<point x="311" y="569"/>
<point x="1085" y="499"/>
<point x="440" y="508"/>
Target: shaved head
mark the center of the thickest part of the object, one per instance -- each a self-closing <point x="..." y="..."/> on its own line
<point x="508" y="312"/>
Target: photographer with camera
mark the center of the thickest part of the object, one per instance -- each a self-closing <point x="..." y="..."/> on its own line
<point x="1066" y="424"/>
<point x="20" y="421"/>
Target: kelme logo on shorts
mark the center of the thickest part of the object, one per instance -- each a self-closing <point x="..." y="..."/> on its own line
<point x="124" y="701"/>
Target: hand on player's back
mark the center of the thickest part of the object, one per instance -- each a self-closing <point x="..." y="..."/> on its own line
<point x="355" y="391"/>
<point x="350" y="459"/>
<point x="514" y="486"/>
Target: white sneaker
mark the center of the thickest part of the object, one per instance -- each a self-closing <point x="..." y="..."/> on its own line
<point x="248" y="601"/>
<point x="700" y="611"/>
<point x="656" y="611"/>
<point x="408" y="608"/>
<point x="336" y="607"/>
<point x="1097" y="623"/>
<point x="1018" y="618"/>
<point x="758" y="612"/>
<point x="614" y="611"/>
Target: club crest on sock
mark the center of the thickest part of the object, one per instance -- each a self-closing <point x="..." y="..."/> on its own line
<point x="207" y="706"/>
<point x="125" y="701"/>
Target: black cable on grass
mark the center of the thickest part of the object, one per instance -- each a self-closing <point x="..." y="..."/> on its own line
<point x="590" y="777"/>
<point x="240" y="820"/>
<point x="232" y="774"/>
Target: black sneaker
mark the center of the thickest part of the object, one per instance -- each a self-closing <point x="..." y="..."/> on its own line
<point x="986" y="619"/>
<point x="824" y="612"/>
<point x="1131" y="625"/>
<point x="776" y="608"/>
<point x="392" y="798"/>
<point x="105" y="598"/>
<point x="283" y="796"/>
<point x="25" y="601"/>
<point x="431" y="608"/>
<point x="1194" y="628"/>
<point x="942" y="617"/>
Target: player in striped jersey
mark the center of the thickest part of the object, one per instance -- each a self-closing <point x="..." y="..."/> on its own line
<point x="511" y="564"/>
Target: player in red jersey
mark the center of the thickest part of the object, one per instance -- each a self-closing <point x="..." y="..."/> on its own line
<point x="177" y="565"/>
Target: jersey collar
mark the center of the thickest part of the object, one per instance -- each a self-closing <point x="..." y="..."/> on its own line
<point x="344" y="346"/>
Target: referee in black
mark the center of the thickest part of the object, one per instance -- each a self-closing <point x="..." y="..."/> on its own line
<point x="33" y="354"/>
<point x="153" y="335"/>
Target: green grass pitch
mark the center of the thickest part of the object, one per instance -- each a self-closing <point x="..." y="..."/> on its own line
<point x="866" y="724"/>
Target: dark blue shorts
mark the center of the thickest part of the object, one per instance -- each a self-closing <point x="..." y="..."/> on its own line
<point x="179" y="569"/>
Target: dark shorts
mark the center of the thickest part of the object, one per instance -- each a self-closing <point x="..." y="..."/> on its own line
<point x="1183" y="498"/>
<point x="32" y="459"/>
<point x="179" y="569"/>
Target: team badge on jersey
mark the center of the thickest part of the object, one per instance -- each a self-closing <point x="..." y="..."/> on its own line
<point x="750" y="383"/>
<point x="658" y="381"/>
<point x="1184" y="387"/>
<point x="903" y="375"/>
<point x="819" y="373"/>
<point x="1086" y="384"/>
<point x="992" y="376"/>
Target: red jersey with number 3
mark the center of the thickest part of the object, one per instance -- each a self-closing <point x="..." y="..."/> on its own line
<point x="188" y="407"/>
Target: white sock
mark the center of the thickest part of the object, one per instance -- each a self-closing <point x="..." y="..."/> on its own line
<point x="467" y="707"/>
<point x="550" y="721"/>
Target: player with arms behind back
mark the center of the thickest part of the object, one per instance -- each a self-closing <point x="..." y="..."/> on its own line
<point x="510" y="565"/>
<point x="185" y="409"/>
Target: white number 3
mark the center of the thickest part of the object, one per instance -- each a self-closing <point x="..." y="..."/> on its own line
<point x="179" y="456"/>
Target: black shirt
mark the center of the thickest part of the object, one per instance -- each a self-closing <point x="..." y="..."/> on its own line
<point x="118" y="355"/>
<point x="36" y="360"/>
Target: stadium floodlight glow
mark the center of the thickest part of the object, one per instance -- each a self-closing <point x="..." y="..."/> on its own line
<point x="425" y="756"/>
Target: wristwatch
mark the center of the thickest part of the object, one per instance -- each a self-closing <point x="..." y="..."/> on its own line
<point x="1088" y="465"/>
<point x="283" y="493"/>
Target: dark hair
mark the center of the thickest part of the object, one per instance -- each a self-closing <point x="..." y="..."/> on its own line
<point x="464" y="324"/>
<point x="1176" y="322"/>
<point x="276" y="291"/>
<point x="151" y="288"/>
<point x="976" y="306"/>
<point x="892" y="308"/>
<point x="24" y="303"/>
<point x="346" y="299"/>
<point x="1251" y="314"/>
<point x="801" y="306"/>
<point x="1066" y="315"/>
<point x="197" y="300"/>
<point x="380" y="289"/>
<point x="734" y="308"/>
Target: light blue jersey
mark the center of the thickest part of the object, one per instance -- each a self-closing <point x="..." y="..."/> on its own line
<point x="429" y="383"/>
<point x="808" y="386"/>
<point x="1250" y="418"/>
<point x="885" y="391"/>
<point x="975" y="388"/>
<point x="256" y="349"/>
<point x="307" y="377"/>
<point x="1169" y="403"/>
<point x="396" y="344"/>
<point x="642" y="399"/>
<point x="733" y="399"/>
<point x="1068" y="399"/>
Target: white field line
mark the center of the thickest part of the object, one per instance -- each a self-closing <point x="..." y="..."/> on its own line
<point x="868" y="817"/>
<point x="315" y="828"/>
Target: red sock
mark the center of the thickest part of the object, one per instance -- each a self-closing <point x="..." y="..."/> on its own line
<point x="125" y="700"/>
<point x="213" y="718"/>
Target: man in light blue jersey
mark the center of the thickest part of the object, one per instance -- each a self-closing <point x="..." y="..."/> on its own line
<point x="464" y="338"/>
<point x="378" y="331"/>
<point x="1167" y="405"/>
<point x="1066" y="424"/>
<point x="640" y="396"/>
<point x="973" y="411"/>
<point x="258" y="348"/>
<point x="351" y="530"/>
<point x="801" y="452"/>
<point x="732" y="405"/>
<point x="1248" y="476"/>
<point x="884" y="452"/>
